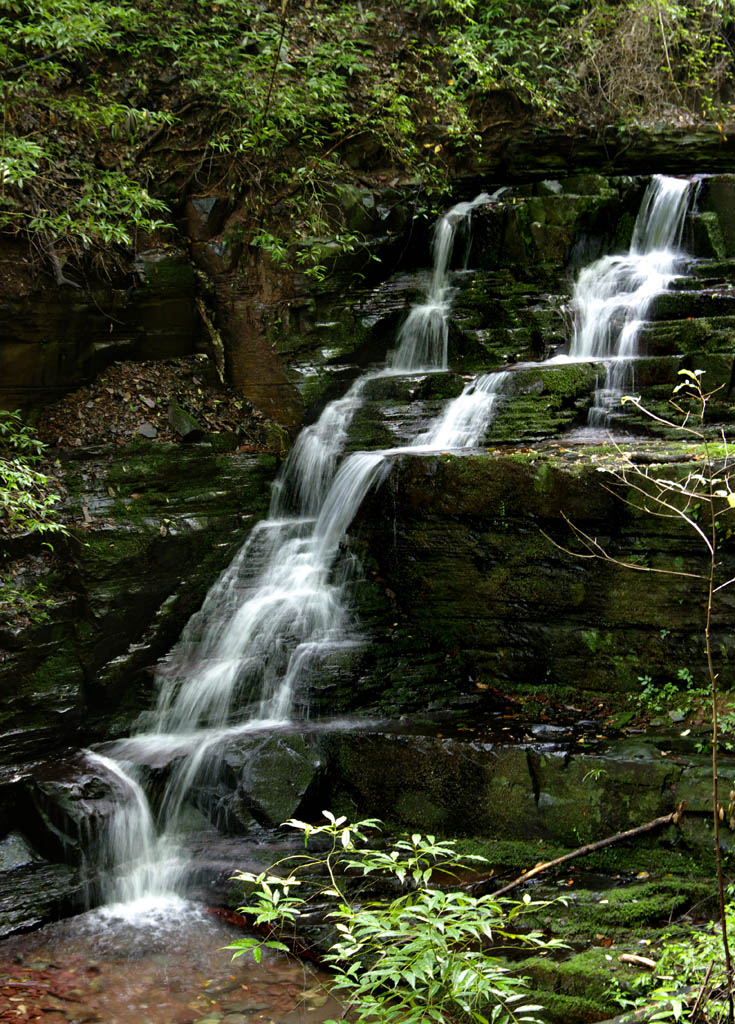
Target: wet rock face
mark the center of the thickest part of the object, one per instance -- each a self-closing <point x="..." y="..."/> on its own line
<point x="635" y="150"/>
<point x="48" y="862"/>
<point x="268" y="778"/>
<point x="70" y="803"/>
<point x="462" y="548"/>
<point x="154" y="524"/>
<point x="38" y="893"/>
<point x="533" y="790"/>
<point x="54" y="340"/>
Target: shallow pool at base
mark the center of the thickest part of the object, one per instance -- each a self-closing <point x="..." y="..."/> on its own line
<point x="160" y="963"/>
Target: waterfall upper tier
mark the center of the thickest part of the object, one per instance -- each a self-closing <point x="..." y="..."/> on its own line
<point x="612" y="296"/>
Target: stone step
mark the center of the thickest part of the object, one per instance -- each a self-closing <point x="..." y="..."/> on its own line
<point x="708" y="272"/>
<point x="397" y="408"/>
<point x="693" y="334"/>
<point x="536" y="401"/>
<point x="456" y="768"/>
<point x="683" y="304"/>
<point x="464" y="784"/>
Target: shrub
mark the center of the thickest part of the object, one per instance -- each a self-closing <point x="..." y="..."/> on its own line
<point x="428" y="953"/>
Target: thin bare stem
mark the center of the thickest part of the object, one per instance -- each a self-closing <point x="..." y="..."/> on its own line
<point x="715" y="740"/>
<point x="597" y="550"/>
<point x="703" y="491"/>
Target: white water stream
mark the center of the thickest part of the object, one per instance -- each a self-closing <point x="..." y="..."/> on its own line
<point x="612" y="296"/>
<point x="281" y="607"/>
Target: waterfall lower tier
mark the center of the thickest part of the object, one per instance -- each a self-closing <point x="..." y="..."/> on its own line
<point x="281" y="607"/>
<point x="142" y="864"/>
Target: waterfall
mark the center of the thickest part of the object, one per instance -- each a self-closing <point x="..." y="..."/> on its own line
<point x="143" y="865"/>
<point x="280" y="606"/>
<point x="467" y="417"/>
<point x="423" y="339"/>
<point x="612" y="296"/>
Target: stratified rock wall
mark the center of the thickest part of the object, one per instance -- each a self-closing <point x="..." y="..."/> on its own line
<point x="53" y="339"/>
<point x="153" y="526"/>
<point x="466" y="548"/>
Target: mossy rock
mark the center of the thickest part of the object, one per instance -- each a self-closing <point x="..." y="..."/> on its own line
<point x="166" y="269"/>
<point x="620" y="912"/>
<point x="718" y="197"/>
<point x="666" y="337"/>
<point x="588" y="797"/>
<point x="681" y="305"/>
<point x="583" y="976"/>
<point x="706" y="235"/>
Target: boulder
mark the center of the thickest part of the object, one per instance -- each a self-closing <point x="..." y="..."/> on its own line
<point x="271" y="776"/>
<point x="38" y="893"/>
<point x="69" y="806"/>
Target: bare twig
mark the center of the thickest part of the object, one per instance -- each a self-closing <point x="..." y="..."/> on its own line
<point x="702" y="990"/>
<point x="706" y="488"/>
<point x="597" y="550"/>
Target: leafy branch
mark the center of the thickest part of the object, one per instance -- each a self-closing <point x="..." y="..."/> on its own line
<point x="27" y="504"/>
<point x="425" y="954"/>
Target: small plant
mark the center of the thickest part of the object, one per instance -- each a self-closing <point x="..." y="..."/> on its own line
<point x="683" y="697"/>
<point x="27" y="505"/>
<point x="22" y="602"/>
<point x="427" y="954"/>
<point x="26" y="501"/>
<point x="689" y="981"/>
<point x="703" y="500"/>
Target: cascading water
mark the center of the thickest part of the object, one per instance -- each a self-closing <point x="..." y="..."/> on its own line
<point x="422" y="341"/>
<point x="612" y="296"/>
<point x="280" y="607"/>
<point x="142" y="864"/>
<point x="467" y="417"/>
<point x="279" y="610"/>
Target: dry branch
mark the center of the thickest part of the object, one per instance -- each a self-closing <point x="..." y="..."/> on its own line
<point x="631" y="833"/>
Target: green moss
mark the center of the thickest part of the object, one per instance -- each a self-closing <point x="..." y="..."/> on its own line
<point x="565" y="1009"/>
<point x="167" y="270"/>
<point x="648" y="905"/>
<point x="562" y="383"/>
<point x="367" y="429"/>
<point x="583" y="975"/>
<point x="57" y="674"/>
<point x="621" y="858"/>
<point x="543" y="479"/>
<point x="673" y="337"/>
<point x="103" y="549"/>
<point x="708" y="237"/>
<point x="590" y="638"/>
